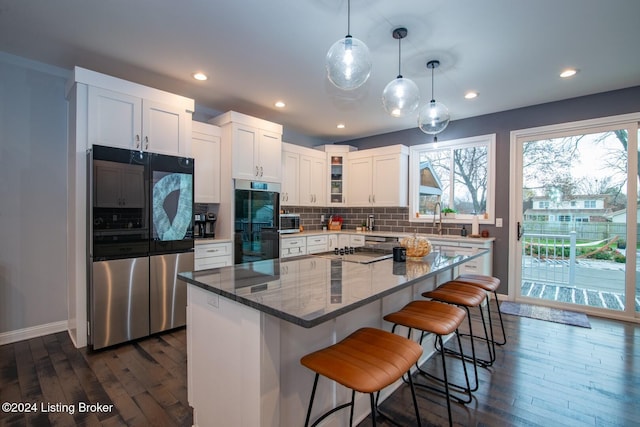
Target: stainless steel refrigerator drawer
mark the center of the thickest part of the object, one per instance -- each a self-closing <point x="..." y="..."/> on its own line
<point x="119" y="301"/>
<point x="168" y="296"/>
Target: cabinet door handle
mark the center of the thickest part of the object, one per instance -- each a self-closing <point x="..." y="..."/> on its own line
<point x="137" y="141"/>
<point x="146" y="142"/>
<point x="374" y="198"/>
<point x="257" y="170"/>
<point x="261" y="171"/>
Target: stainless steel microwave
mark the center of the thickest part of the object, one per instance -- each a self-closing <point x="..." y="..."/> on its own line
<point x="289" y="223"/>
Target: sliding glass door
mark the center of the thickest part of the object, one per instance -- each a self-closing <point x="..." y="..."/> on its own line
<point x="575" y="204"/>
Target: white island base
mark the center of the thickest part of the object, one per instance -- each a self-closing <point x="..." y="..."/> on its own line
<point x="244" y="365"/>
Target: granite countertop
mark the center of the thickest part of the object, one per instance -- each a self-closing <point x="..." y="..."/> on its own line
<point x="312" y="289"/>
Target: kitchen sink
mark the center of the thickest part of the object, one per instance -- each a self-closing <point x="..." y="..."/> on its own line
<point x="360" y="255"/>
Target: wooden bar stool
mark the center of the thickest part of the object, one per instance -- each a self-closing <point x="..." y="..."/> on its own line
<point x="439" y="319"/>
<point x="466" y="296"/>
<point x="366" y="361"/>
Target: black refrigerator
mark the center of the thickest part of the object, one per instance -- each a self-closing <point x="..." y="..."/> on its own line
<point x="140" y="222"/>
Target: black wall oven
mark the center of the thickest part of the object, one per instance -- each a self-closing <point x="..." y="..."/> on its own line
<point x="140" y="221"/>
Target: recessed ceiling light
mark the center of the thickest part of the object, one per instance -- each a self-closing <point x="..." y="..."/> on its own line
<point x="340" y="126"/>
<point x="569" y="72"/>
<point x="280" y="104"/>
<point x="471" y="94"/>
<point x="200" y="76"/>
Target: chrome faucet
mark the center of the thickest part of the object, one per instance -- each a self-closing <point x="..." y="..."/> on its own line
<point x="438" y="209"/>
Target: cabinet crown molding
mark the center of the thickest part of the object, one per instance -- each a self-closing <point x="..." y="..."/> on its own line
<point x="93" y="78"/>
<point x="235" y="117"/>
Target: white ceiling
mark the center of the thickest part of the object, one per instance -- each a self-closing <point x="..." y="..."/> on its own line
<point x="259" y="51"/>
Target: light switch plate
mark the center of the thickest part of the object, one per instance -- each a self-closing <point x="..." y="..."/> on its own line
<point x="498" y="222"/>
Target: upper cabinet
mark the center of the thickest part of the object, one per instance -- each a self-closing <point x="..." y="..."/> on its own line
<point x="256" y="146"/>
<point x="119" y="113"/>
<point x="313" y="168"/>
<point x="379" y="177"/>
<point x="205" y="147"/>
<point x="335" y="177"/>
<point x="290" y="190"/>
<point x="120" y="120"/>
<point x="303" y="176"/>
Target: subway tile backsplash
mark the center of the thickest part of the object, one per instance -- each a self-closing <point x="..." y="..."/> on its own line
<point x="394" y="219"/>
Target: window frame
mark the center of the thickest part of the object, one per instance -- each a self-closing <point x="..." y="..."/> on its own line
<point x="488" y="140"/>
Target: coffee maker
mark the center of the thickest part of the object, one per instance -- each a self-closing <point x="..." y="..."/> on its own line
<point x="204" y="225"/>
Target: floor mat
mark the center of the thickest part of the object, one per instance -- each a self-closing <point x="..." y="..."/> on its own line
<point x="545" y="313"/>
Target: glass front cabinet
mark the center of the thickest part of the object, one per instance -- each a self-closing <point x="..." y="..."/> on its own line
<point x="337" y="176"/>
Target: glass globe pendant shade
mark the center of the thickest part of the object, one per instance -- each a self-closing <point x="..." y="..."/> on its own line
<point x="401" y="97"/>
<point x="348" y="63"/>
<point x="433" y="118"/>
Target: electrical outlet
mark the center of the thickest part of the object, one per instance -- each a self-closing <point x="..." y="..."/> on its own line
<point x="498" y="222"/>
<point x="321" y="218"/>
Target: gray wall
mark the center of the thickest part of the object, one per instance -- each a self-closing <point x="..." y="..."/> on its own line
<point x="583" y="108"/>
<point x="33" y="194"/>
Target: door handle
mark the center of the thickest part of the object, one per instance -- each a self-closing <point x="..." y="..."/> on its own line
<point x="520" y="230"/>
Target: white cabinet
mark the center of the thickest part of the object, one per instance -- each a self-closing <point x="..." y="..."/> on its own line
<point x="332" y="241"/>
<point x="303" y="176"/>
<point x="360" y="191"/>
<point x="118" y="185"/>
<point x="316" y="244"/>
<point x="312" y="180"/>
<point x="205" y="146"/>
<point x="337" y="173"/>
<point x="115" y="119"/>
<point x="290" y="177"/>
<point x="356" y="240"/>
<point x="293" y="246"/>
<point x="470" y="246"/>
<point x="379" y="177"/>
<point x="212" y="255"/>
<point x="256" y="146"/>
<point x="122" y="120"/>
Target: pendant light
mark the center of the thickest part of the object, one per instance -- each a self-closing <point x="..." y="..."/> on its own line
<point x="348" y="61"/>
<point x="434" y="117"/>
<point x="401" y="96"/>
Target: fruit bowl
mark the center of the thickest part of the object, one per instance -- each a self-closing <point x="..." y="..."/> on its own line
<point x="416" y="246"/>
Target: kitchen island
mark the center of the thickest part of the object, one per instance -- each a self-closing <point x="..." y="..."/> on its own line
<point x="248" y="326"/>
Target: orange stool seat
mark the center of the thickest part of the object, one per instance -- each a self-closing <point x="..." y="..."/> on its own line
<point x="458" y="293"/>
<point x="488" y="283"/>
<point x="366" y="361"/>
<point x="429" y="316"/>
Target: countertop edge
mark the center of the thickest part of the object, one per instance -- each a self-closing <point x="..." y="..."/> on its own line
<point x="435" y="237"/>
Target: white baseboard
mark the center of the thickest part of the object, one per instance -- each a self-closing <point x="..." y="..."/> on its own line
<point x="32" y="332"/>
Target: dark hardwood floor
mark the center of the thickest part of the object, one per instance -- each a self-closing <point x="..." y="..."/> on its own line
<point x="548" y="374"/>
